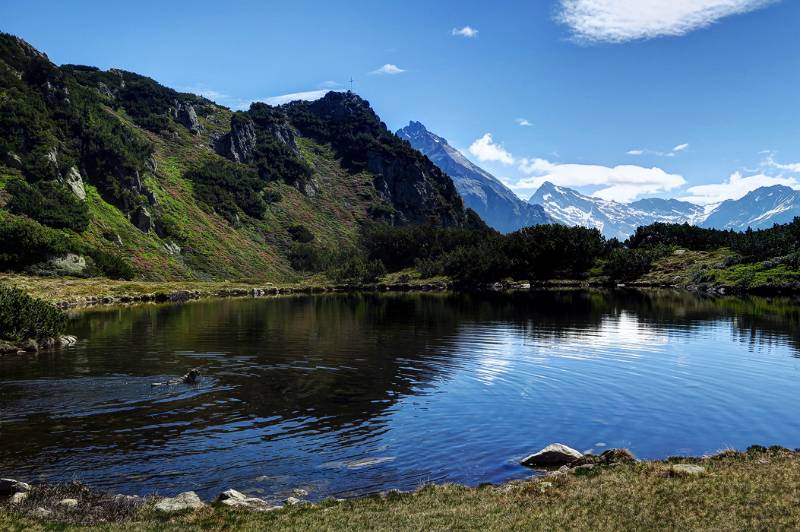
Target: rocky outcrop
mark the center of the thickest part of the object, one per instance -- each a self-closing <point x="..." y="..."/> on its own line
<point x="67" y="264"/>
<point x="180" y="503"/>
<point x="240" y="143"/>
<point x="554" y="455"/>
<point x="142" y="219"/>
<point x="184" y="114"/>
<point x="74" y="181"/>
<point x="103" y="89"/>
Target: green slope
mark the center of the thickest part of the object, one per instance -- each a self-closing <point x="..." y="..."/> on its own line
<point x="178" y="187"/>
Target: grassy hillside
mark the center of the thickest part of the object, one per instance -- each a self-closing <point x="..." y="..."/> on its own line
<point x="145" y="182"/>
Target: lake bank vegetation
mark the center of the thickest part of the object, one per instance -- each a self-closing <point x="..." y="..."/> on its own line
<point x="732" y="490"/>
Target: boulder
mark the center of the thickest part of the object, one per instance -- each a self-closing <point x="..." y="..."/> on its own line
<point x="18" y="498"/>
<point x="104" y="90"/>
<point x="74" y="181"/>
<point x="686" y="470"/>
<point x="236" y="499"/>
<point x="69" y="504"/>
<point x="67" y="264"/>
<point x="9" y="486"/>
<point x="67" y="340"/>
<point x="300" y="492"/>
<point x="41" y="513"/>
<point x="554" y="455"/>
<point x="180" y="503"/>
<point x="293" y="501"/>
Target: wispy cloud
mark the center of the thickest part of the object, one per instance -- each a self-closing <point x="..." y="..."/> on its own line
<point x="205" y="92"/>
<point x="620" y="183"/>
<point x="293" y="96"/>
<point x="466" y="31"/>
<point x="680" y="147"/>
<point x="625" y="20"/>
<point x="486" y="150"/>
<point x="387" y="69"/>
<point x="672" y="153"/>
<point x="735" y="187"/>
<point x="523" y="122"/>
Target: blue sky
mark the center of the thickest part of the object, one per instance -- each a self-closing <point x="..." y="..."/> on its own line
<point x="696" y="99"/>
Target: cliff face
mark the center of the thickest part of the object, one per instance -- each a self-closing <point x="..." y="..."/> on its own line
<point x="171" y="185"/>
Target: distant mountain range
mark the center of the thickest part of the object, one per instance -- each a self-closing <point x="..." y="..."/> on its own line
<point x="502" y="209"/>
<point x="481" y="191"/>
<point x="612" y="218"/>
<point x="758" y="209"/>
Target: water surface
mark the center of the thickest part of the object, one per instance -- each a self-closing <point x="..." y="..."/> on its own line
<point x="350" y="394"/>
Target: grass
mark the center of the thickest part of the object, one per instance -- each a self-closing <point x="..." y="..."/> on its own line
<point x="756" y="490"/>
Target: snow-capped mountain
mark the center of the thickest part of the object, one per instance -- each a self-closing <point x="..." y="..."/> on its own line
<point x="481" y="191"/>
<point x="758" y="209"/>
<point x="611" y="218"/>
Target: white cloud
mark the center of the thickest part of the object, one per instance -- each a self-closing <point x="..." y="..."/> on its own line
<point x="626" y="20"/>
<point x="622" y="183"/>
<point x="305" y="95"/>
<point x="735" y="187"/>
<point x="770" y="162"/>
<point x="672" y="153"/>
<point x="389" y="69"/>
<point x="485" y="149"/>
<point x="466" y="31"/>
<point x="523" y="122"/>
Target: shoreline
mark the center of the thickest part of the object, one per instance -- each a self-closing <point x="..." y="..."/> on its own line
<point x="76" y="293"/>
<point x="728" y="490"/>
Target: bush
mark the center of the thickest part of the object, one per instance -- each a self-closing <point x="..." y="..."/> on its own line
<point x="630" y="264"/>
<point x="23" y="317"/>
<point x="49" y="203"/>
<point x="228" y="187"/>
<point x="300" y="233"/>
<point x="353" y="267"/>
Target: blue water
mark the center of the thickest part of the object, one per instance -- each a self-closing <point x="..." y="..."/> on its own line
<point x="344" y="395"/>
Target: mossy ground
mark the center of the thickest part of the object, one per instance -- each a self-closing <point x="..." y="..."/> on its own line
<point x="720" y="268"/>
<point x="757" y="490"/>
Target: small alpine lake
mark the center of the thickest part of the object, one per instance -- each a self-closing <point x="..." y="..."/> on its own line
<point x="348" y="394"/>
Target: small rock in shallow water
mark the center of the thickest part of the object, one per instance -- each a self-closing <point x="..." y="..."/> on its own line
<point x="686" y="470"/>
<point x="237" y="499"/>
<point x="292" y="501"/>
<point x="554" y="455"/>
<point x="184" y="501"/>
<point x="299" y="492"/>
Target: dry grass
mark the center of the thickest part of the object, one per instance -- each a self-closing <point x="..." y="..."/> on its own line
<point x="757" y="490"/>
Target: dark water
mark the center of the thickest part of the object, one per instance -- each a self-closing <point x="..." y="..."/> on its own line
<point x="350" y="394"/>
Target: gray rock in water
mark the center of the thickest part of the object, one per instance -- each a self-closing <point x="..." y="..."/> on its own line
<point x="74" y="181"/>
<point x="554" y="455"/>
<point x="237" y="499"/>
<point x="180" y="503"/>
<point x="293" y="501"/>
<point x="300" y="492"/>
<point x="69" y="504"/>
<point x="67" y="340"/>
<point x="687" y="470"/>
